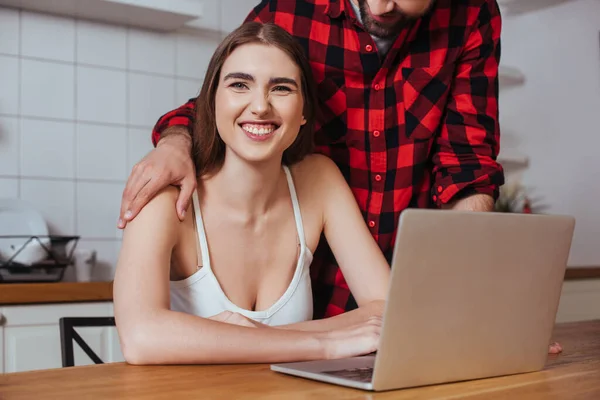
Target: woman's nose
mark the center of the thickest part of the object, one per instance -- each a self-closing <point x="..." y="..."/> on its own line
<point x="260" y="104"/>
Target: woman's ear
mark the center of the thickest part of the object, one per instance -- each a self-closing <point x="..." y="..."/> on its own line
<point x="303" y="121"/>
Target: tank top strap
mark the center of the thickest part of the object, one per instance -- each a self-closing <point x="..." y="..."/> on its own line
<point x="204" y="257"/>
<point x="296" y="205"/>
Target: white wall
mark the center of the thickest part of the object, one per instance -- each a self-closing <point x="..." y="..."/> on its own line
<point x="553" y="116"/>
<point x="78" y="100"/>
<point x="77" y="103"/>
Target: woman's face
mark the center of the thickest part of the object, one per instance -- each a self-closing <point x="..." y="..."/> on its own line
<point x="259" y="102"/>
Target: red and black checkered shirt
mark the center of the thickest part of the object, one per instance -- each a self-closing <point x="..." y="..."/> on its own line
<point x="416" y="128"/>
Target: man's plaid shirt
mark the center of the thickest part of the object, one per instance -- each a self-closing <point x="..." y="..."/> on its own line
<point x="416" y="128"/>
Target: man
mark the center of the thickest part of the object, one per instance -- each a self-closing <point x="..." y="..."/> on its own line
<point x="408" y="91"/>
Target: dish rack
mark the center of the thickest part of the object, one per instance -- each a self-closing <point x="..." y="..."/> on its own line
<point x="50" y="269"/>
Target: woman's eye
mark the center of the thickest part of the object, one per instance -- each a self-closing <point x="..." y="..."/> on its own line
<point x="239" y="85"/>
<point x="282" y="89"/>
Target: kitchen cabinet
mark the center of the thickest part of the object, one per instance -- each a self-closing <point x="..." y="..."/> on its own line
<point x="580" y="300"/>
<point x="31" y="336"/>
<point x="159" y="15"/>
<point x="1" y="347"/>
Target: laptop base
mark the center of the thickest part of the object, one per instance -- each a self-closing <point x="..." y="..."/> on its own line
<point x="356" y="372"/>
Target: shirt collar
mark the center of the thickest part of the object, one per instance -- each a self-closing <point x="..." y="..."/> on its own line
<point x="335" y="8"/>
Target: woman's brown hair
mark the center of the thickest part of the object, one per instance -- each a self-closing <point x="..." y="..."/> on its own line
<point x="208" y="149"/>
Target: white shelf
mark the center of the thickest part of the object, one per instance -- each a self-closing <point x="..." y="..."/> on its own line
<point x="159" y="15"/>
<point x="520" y="7"/>
<point x="510" y="76"/>
<point x="513" y="158"/>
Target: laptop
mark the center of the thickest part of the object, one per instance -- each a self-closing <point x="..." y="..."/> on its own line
<point x="472" y="295"/>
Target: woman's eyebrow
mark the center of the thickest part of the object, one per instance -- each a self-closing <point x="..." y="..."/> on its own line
<point x="250" y="78"/>
<point x="239" y="75"/>
<point x="279" y="80"/>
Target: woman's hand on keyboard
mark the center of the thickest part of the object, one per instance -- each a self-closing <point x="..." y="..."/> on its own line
<point x="352" y="341"/>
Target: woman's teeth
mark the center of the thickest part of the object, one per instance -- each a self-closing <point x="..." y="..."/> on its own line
<point x="258" y="129"/>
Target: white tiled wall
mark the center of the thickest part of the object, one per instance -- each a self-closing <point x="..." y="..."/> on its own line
<point x="78" y="100"/>
<point x="564" y="182"/>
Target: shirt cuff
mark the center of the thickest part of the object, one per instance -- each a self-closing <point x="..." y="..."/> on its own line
<point x="446" y="189"/>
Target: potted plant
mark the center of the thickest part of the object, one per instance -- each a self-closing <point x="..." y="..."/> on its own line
<point x="513" y="198"/>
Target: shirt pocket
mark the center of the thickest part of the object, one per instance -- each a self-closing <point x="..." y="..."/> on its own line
<point x="425" y="93"/>
<point x="331" y="121"/>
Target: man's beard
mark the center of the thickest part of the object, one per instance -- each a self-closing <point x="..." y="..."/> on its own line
<point x="383" y="31"/>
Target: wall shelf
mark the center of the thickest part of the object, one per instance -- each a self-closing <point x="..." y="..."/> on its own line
<point x="510" y="76"/>
<point x="513" y="159"/>
<point x="519" y="7"/>
<point x="158" y="15"/>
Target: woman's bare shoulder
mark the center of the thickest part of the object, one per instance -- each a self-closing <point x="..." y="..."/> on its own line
<point x="318" y="180"/>
<point x="317" y="172"/>
<point x="159" y="212"/>
<point x="315" y="167"/>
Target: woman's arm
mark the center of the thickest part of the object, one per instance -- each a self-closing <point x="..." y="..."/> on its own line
<point x="360" y="259"/>
<point x="151" y="333"/>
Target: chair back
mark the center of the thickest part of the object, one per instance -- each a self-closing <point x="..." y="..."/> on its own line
<point x="68" y="335"/>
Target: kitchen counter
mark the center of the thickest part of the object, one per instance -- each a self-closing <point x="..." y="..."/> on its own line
<point x="71" y="292"/>
<point x="574" y="374"/>
<point x="60" y="292"/>
<point x="582" y="273"/>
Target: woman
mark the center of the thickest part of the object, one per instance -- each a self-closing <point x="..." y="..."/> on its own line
<point x="230" y="283"/>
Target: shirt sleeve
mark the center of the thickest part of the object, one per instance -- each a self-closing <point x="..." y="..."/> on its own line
<point x="465" y="151"/>
<point x="182" y="116"/>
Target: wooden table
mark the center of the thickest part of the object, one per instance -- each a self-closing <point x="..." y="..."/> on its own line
<point x="575" y="374"/>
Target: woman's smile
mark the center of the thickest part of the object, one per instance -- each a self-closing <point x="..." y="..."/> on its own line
<point x="259" y="131"/>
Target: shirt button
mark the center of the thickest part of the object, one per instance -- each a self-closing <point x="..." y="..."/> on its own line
<point x="434" y="197"/>
<point x="376" y="86"/>
<point x="368" y="48"/>
<point x="378" y="177"/>
<point x="376" y="133"/>
<point x="440" y="189"/>
<point x="371" y="224"/>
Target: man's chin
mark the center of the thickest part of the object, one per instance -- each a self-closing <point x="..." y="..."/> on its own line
<point x="385" y="32"/>
<point x="388" y="29"/>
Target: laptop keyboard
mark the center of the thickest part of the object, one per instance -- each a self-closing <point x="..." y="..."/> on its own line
<point x="364" y="374"/>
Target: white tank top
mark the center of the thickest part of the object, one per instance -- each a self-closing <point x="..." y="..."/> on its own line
<point x="201" y="294"/>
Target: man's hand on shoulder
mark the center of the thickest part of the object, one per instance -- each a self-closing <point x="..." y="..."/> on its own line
<point x="170" y="163"/>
